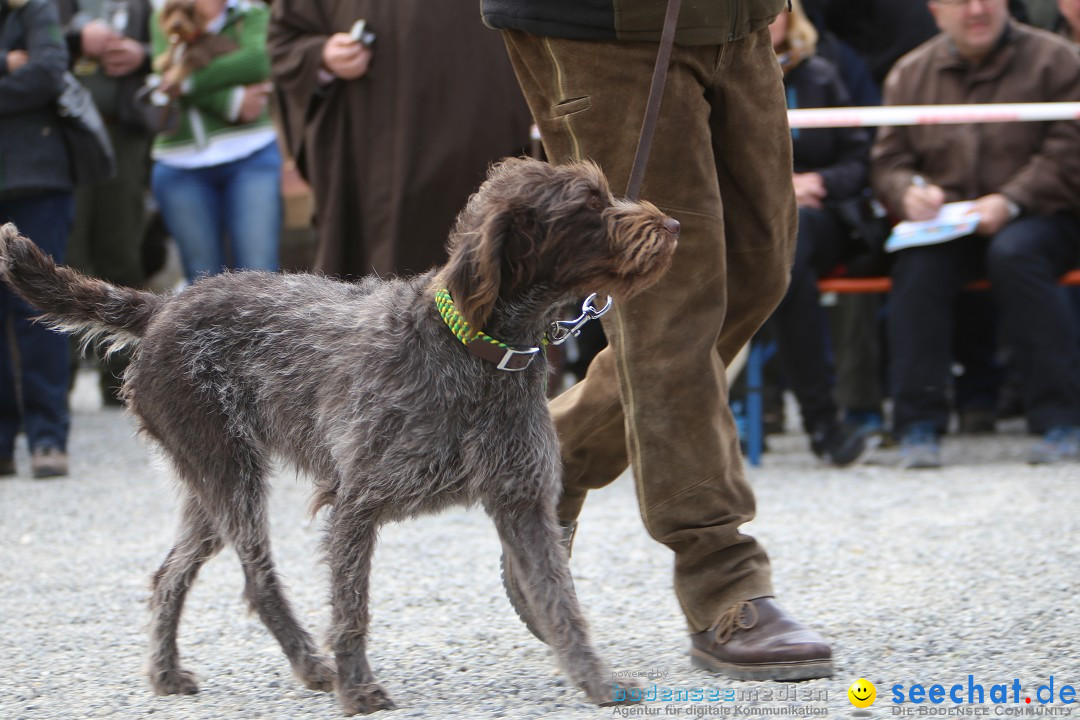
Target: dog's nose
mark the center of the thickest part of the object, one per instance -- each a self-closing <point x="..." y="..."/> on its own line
<point x="672" y="226"/>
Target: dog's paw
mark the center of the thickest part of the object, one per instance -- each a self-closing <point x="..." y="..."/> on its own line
<point x="364" y="699"/>
<point x="606" y="692"/>
<point x="318" y="673"/>
<point x="174" y="682"/>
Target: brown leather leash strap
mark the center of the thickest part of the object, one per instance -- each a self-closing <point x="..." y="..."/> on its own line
<point x="656" y="93"/>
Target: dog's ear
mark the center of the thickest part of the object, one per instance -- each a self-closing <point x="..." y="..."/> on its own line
<point x="495" y="240"/>
<point x="473" y="274"/>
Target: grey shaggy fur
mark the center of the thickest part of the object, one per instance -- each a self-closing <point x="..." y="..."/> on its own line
<point x="364" y="387"/>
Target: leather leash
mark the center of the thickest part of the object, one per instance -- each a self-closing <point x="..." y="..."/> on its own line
<point x="656" y="93"/>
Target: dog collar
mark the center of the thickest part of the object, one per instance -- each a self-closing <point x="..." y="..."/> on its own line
<point x="481" y="344"/>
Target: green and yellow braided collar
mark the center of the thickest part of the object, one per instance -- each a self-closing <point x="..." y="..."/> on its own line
<point x="479" y="343"/>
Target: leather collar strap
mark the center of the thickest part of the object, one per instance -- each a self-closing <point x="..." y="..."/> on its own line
<point x="656" y="92"/>
<point x="480" y="344"/>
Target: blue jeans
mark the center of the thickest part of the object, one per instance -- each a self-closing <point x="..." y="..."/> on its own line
<point x="240" y="199"/>
<point x="39" y="402"/>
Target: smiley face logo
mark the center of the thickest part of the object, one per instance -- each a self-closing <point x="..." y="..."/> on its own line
<point x="862" y="693"/>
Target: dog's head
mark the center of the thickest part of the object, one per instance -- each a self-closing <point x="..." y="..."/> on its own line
<point x="181" y="21"/>
<point x="558" y="226"/>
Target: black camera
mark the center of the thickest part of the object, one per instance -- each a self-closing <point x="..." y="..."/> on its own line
<point x="361" y="33"/>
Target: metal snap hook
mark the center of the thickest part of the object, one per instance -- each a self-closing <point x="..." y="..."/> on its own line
<point x="562" y="330"/>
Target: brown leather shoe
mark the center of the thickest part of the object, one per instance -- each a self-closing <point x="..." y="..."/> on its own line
<point x="757" y="640"/>
<point x="513" y="590"/>
<point x="49" y="462"/>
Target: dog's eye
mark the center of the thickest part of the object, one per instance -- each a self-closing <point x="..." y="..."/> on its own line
<point x="594" y="202"/>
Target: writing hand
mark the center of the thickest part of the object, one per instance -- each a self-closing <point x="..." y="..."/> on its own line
<point x="922" y="202"/>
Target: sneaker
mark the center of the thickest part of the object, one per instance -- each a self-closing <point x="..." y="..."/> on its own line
<point x="513" y="590"/>
<point x="920" y="447"/>
<point x="871" y="426"/>
<point x="7" y="466"/>
<point x="49" y="462"/>
<point x="1059" y="444"/>
<point x="838" y="443"/>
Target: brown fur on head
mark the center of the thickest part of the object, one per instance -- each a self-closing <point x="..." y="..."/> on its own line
<point x="535" y="224"/>
<point x="181" y="21"/>
<point x="191" y="48"/>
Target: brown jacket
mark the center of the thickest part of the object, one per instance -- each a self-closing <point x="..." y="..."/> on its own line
<point x="1035" y="164"/>
<point x="393" y="156"/>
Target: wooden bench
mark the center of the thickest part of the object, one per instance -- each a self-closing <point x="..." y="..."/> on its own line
<point x="884" y="284"/>
<point x="758" y="354"/>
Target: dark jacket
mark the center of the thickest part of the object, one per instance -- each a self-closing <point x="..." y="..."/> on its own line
<point x="884" y="30"/>
<point x="390" y="169"/>
<point x="839" y="155"/>
<point x="1035" y="164"/>
<point x="114" y="96"/>
<point x="701" y="22"/>
<point x="33" y="156"/>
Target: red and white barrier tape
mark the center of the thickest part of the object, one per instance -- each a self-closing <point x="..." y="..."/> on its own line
<point x="932" y="114"/>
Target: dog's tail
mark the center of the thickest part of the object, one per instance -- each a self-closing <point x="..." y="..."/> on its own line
<point x="72" y="302"/>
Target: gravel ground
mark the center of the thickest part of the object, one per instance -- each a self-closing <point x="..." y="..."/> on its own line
<point x="915" y="577"/>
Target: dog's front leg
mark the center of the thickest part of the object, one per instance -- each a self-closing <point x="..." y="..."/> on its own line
<point x="529" y="533"/>
<point x="350" y="551"/>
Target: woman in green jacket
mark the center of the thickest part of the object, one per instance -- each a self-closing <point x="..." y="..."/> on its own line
<point x="219" y="173"/>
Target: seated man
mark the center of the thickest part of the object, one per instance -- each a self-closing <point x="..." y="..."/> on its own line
<point x="1025" y="181"/>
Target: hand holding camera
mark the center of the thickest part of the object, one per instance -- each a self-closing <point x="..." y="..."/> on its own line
<point x="348" y="55"/>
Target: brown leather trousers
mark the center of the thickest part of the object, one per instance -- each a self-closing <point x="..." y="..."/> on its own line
<point x="657" y="398"/>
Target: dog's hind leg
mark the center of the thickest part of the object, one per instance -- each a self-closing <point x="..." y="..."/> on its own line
<point x="198" y="542"/>
<point x="530" y="534"/>
<point x="243" y="522"/>
<point x="350" y="545"/>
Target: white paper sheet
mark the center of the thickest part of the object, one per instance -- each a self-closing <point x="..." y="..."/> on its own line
<point x="953" y="221"/>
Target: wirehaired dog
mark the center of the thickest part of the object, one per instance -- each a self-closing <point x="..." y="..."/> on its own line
<point x="384" y="391"/>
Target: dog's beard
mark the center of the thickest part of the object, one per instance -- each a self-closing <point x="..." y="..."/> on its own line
<point x="646" y="249"/>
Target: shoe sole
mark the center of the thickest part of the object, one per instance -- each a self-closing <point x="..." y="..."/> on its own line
<point x="850" y="455"/>
<point x="921" y="465"/>
<point x="1052" y="458"/>
<point x="1057" y="460"/>
<point x="799" y="670"/>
